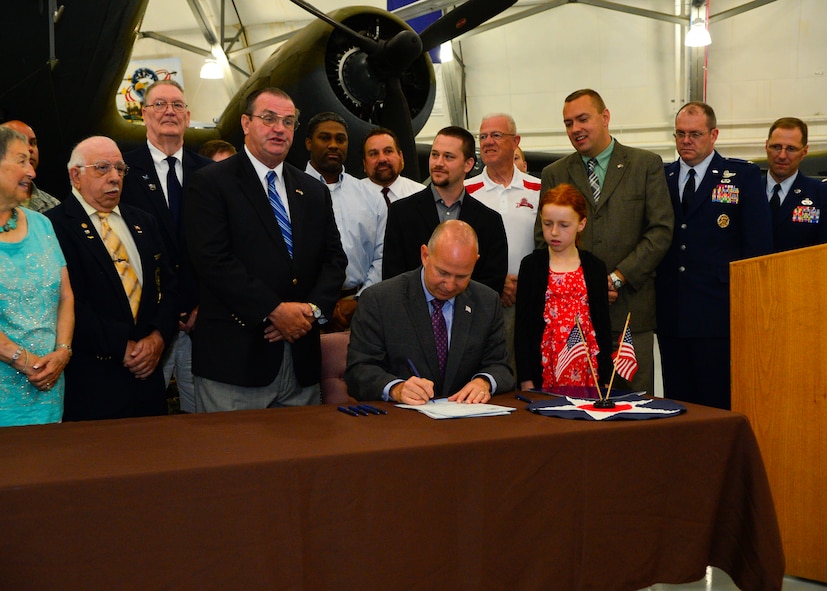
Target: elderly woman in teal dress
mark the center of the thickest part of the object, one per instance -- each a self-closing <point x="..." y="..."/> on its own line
<point x="36" y="303"/>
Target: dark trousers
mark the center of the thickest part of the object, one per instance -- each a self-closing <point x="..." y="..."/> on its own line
<point x="696" y="370"/>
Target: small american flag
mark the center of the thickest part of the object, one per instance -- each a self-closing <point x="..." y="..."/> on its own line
<point x="574" y="348"/>
<point x="624" y="358"/>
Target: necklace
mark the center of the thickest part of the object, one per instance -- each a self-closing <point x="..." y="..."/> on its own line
<point x="11" y="224"/>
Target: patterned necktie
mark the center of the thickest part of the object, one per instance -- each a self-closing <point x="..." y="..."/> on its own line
<point x="688" y="191"/>
<point x="775" y="200"/>
<point x="174" y="191"/>
<point x="385" y="191"/>
<point x="117" y="251"/>
<point x="281" y="213"/>
<point x="594" y="182"/>
<point x="440" y="334"/>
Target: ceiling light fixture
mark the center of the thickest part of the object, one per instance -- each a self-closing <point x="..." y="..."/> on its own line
<point x="211" y="70"/>
<point x="698" y="36"/>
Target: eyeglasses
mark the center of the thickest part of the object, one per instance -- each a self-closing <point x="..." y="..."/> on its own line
<point x="103" y="168"/>
<point x="494" y="135"/>
<point x="778" y="148"/>
<point x="271" y="120"/>
<point x="161" y="106"/>
<point x="692" y="135"/>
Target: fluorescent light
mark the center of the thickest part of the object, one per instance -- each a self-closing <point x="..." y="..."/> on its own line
<point x="698" y="36"/>
<point x="211" y="70"/>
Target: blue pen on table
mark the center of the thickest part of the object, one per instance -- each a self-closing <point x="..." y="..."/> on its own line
<point x="523" y="399"/>
<point x="358" y="411"/>
<point x="347" y="411"/>
<point x="372" y="410"/>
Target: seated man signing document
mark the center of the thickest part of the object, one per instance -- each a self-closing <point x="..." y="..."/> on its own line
<point x="431" y="332"/>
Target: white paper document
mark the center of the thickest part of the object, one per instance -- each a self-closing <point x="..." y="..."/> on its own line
<point x="442" y="408"/>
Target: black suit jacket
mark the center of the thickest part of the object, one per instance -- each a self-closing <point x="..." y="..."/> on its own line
<point x="393" y="324"/>
<point x="245" y="271"/>
<point x="802" y="219"/>
<point x="412" y="220"/>
<point x="531" y="304"/>
<point x="142" y="188"/>
<point x="97" y="384"/>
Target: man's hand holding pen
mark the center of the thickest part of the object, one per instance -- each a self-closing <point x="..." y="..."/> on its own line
<point x="414" y="390"/>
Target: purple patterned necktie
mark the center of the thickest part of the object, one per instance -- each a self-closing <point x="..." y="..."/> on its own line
<point x="440" y="334"/>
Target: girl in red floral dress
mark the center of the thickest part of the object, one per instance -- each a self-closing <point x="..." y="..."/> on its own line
<point x="556" y="285"/>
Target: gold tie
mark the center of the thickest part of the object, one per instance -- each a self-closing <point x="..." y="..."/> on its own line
<point x="116" y="249"/>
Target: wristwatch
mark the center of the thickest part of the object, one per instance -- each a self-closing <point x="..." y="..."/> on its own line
<point x="616" y="281"/>
<point x="317" y="313"/>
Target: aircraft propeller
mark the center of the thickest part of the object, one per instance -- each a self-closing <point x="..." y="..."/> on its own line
<point x="373" y="74"/>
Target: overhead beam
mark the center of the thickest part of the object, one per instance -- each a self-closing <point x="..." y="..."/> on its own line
<point x="185" y="46"/>
<point x="738" y="10"/>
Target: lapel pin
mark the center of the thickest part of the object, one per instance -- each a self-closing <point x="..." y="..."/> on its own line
<point x="152" y="187"/>
<point x="468" y="309"/>
<point x="796" y="191"/>
<point x="138" y="229"/>
<point x="299" y="191"/>
<point x="806" y="201"/>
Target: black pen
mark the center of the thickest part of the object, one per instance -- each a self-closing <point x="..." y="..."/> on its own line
<point x="523" y="399"/>
<point x="373" y="409"/>
<point x="358" y="411"/>
<point x="347" y="411"/>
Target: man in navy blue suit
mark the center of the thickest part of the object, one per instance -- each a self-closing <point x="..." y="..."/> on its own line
<point x="797" y="202"/>
<point x="721" y="215"/>
<point x="157" y="181"/>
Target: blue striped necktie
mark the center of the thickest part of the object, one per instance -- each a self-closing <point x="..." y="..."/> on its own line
<point x="281" y="213"/>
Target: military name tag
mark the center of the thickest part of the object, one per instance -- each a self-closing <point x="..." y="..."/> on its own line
<point x="806" y="215"/>
<point x="725" y="193"/>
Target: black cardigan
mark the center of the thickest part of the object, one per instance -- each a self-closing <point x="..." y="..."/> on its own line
<point x="531" y="300"/>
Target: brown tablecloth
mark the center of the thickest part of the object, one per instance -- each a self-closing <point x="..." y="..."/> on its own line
<point x="313" y="499"/>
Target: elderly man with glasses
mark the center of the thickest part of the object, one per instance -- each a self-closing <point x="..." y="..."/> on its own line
<point x="513" y="194"/>
<point x="124" y="291"/>
<point x="161" y="170"/>
<point x="721" y="215"/>
<point x="264" y="243"/>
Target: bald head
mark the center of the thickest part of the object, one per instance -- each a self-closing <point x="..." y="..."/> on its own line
<point x="31" y="139"/>
<point x="96" y="170"/>
<point x="448" y="259"/>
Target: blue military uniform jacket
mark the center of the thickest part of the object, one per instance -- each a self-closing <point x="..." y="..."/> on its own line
<point x="801" y="220"/>
<point x="729" y="219"/>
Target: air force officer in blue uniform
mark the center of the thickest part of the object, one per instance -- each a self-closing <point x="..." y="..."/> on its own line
<point x="721" y="215"/>
<point x="797" y="202"/>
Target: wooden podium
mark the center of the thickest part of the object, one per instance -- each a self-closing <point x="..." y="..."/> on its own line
<point x="779" y="380"/>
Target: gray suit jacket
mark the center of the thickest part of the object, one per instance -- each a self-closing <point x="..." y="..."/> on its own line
<point x="392" y="324"/>
<point x="631" y="227"/>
